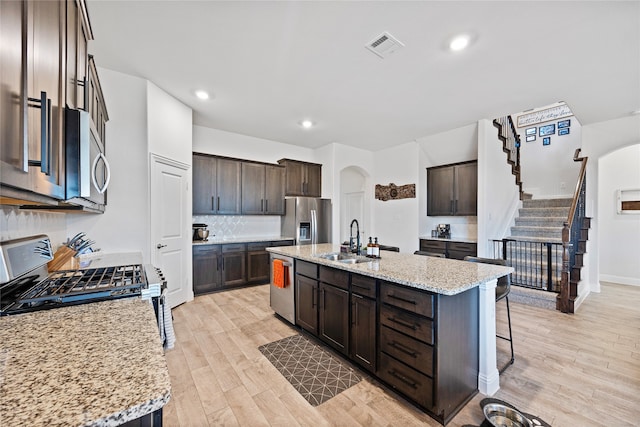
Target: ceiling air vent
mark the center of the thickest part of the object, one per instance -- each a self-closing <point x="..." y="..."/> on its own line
<point x="384" y="45"/>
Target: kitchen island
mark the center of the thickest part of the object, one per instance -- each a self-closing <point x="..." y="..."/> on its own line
<point x="425" y="326"/>
<point x="99" y="364"/>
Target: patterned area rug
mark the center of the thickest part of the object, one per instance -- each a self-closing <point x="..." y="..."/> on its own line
<point x="314" y="372"/>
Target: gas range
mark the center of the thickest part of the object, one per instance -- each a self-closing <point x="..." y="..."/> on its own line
<point x="30" y="287"/>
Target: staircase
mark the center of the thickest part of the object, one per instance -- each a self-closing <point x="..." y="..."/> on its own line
<point x="549" y="239"/>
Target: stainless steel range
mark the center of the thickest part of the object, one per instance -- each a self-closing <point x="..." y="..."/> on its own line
<point x="26" y="285"/>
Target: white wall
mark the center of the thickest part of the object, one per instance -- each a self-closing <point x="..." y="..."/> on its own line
<point x="169" y="125"/>
<point x="620" y="242"/>
<point x="395" y="222"/>
<point x="124" y="227"/>
<point x="498" y="196"/>
<point x="598" y="140"/>
<point x="548" y="171"/>
<point x="456" y="145"/>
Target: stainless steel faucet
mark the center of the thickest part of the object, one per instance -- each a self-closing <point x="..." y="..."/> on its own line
<point x="357" y="251"/>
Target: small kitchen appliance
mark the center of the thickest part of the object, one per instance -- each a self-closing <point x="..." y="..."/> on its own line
<point x="200" y="232"/>
<point x="444" y="231"/>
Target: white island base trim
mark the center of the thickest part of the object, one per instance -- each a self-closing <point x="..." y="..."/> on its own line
<point x="488" y="375"/>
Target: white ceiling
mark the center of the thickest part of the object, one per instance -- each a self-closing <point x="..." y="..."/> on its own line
<point x="268" y="65"/>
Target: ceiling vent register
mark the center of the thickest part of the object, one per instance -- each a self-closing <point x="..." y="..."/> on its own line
<point x="384" y="45"/>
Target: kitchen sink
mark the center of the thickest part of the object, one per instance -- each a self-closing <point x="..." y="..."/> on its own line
<point x="343" y="257"/>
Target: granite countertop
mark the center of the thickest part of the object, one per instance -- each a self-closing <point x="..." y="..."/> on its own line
<point x="452" y="239"/>
<point x="222" y="241"/>
<point x="98" y="364"/>
<point x="440" y="275"/>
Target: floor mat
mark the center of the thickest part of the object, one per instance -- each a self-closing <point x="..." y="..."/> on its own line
<point x="313" y="371"/>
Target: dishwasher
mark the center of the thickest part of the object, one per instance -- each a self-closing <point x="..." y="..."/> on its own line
<point x="283" y="299"/>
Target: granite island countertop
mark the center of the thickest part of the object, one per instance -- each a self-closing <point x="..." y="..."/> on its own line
<point x="440" y="275"/>
<point x="97" y="364"/>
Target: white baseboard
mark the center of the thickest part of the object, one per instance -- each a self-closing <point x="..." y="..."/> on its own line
<point x="632" y="281"/>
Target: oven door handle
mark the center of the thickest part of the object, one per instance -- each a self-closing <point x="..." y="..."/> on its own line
<point x="94" y="167"/>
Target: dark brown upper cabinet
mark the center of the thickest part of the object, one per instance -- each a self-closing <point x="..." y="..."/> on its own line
<point x="262" y="189"/>
<point x="32" y="98"/>
<point x="452" y="190"/>
<point x="216" y="185"/>
<point x="302" y="178"/>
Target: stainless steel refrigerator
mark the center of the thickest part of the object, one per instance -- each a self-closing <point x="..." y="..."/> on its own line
<point x="307" y="219"/>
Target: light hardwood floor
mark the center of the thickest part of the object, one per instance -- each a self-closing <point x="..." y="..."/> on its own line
<point x="570" y="370"/>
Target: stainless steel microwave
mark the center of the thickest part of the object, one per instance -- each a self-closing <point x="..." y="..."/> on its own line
<point x="87" y="169"/>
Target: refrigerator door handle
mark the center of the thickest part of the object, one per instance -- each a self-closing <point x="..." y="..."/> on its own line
<point x="314" y="227"/>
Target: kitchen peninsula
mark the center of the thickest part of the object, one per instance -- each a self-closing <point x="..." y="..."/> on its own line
<point x="425" y="326"/>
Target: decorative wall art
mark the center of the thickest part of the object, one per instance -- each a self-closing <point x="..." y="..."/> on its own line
<point x="547" y="130"/>
<point x="530" y="138"/>
<point x="546" y="140"/>
<point x="564" y="124"/>
<point x="530" y="131"/>
<point x="628" y="201"/>
<point x="546" y="115"/>
<point x="393" y="192"/>
<point x="564" y="131"/>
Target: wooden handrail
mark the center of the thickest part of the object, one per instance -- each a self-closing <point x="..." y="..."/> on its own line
<point x="576" y="194"/>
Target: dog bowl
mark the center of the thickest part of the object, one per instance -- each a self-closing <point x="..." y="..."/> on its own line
<point x="503" y="416"/>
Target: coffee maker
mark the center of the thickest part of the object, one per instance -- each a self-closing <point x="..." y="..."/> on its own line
<point x="444" y="231"/>
<point x="200" y="232"/>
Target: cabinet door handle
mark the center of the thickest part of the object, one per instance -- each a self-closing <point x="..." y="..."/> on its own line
<point x="403" y="323"/>
<point x="403" y="349"/>
<point x="366" y="288"/>
<point x="45" y="133"/>
<point x="404" y="379"/>
<point x="313" y="298"/>
<point x="218" y="203"/>
<point x="409" y="301"/>
<point x="213" y="203"/>
<point x="266" y="205"/>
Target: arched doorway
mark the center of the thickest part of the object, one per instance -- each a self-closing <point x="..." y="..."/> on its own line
<point x="355" y="201"/>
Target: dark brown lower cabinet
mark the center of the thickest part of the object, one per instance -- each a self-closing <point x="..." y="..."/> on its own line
<point x="334" y="317"/>
<point x="451" y="249"/>
<point x="206" y="272"/>
<point x="363" y="331"/>
<point x="258" y="268"/>
<point x="234" y="266"/>
<point x="307" y="303"/>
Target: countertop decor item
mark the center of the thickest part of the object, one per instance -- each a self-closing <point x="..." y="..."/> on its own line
<point x="392" y="192"/>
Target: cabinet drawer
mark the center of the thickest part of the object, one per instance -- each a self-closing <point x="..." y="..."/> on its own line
<point x="414" y="353"/>
<point x="240" y="247"/>
<point x="335" y="277"/>
<point x="258" y="246"/>
<point x="205" y="249"/>
<point x="308" y="269"/>
<point x="408" y="299"/>
<point x="282" y="243"/>
<point x="407" y="323"/>
<point x="433" y="246"/>
<point x="363" y="285"/>
<point x="408" y="381"/>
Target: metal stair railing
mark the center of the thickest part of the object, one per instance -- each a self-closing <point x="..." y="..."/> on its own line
<point x="537" y="265"/>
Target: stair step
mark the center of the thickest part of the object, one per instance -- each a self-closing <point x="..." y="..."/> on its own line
<point x="536" y="221"/>
<point x="547" y="203"/>
<point x="558" y="212"/>
<point x="538" y="232"/>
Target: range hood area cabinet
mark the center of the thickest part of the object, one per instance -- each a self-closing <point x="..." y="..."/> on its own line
<point x="302" y="178"/>
<point x="452" y="190"/>
<point x="59" y="75"/>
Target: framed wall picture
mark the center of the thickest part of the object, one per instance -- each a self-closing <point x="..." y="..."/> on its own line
<point x="530" y="131"/>
<point x="564" y="124"/>
<point x="564" y="131"/>
<point x="530" y="138"/>
<point x="547" y="130"/>
<point x="546" y="140"/>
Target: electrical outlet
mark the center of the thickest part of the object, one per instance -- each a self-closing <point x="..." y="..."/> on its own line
<point x="563" y="185"/>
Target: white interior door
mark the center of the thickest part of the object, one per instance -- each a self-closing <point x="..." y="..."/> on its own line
<point x="170" y="226"/>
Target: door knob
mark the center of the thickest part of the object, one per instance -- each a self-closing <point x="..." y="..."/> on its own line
<point x="160" y="246"/>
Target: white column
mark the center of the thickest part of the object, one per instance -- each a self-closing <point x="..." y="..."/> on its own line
<point x="488" y="375"/>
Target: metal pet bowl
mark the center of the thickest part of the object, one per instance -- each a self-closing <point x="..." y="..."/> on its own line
<point x="503" y="416"/>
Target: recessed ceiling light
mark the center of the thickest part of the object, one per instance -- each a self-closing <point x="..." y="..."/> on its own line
<point x="635" y="112"/>
<point x="307" y="124"/>
<point x="459" y="42"/>
<point x="202" y="94"/>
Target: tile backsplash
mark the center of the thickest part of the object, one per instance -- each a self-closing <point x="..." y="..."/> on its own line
<point x="16" y="223"/>
<point x="234" y="226"/>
